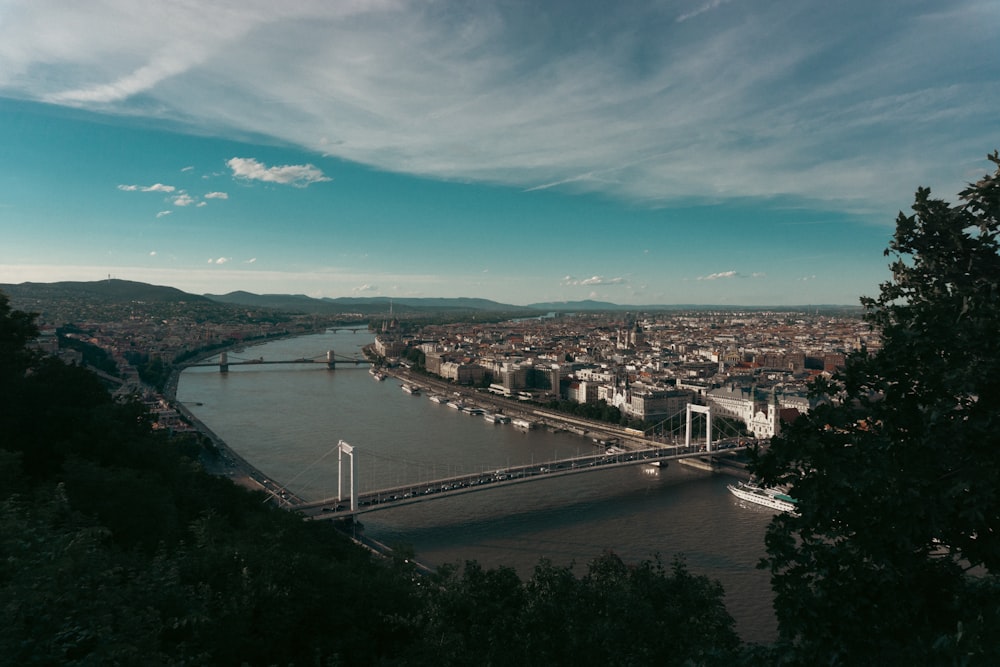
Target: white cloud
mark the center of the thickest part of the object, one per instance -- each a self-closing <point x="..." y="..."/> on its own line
<point x="183" y="199"/>
<point x="152" y="253"/>
<point x="156" y="187"/>
<point x="217" y="195"/>
<point x="220" y="260"/>
<point x="717" y="276"/>
<point x="252" y="260"/>
<point x="593" y="280"/>
<point x="364" y="288"/>
<point x="300" y="175"/>
<point x="163" y="213"/>
<point x="201" y="204"/>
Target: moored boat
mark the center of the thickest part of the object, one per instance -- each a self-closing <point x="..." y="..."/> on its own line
<point x="411" y="389"/>
<point x="772" y="498"/>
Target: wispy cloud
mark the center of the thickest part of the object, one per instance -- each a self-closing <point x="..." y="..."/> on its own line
<point x="216" y="195"/>
<point x="707" y="7"/>
<point x="183" y="199"/>
<point x="719" y="276"/>
<point x="300" y="175"/>
<point x="639" y="101"/>
<point x="593" y="280"/>
<point x="162" y="214"/>
<point x="156" y="187"/>
<point x="364" y="288"/>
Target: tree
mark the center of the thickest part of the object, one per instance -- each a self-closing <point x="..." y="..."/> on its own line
<point x="893" y="554"/>
<point x="17" y="328"/>
<point x="615" y="614"/>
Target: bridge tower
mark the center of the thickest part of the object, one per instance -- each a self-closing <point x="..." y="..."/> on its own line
<point x="707" y="411"/>
<point x="224" y="362"/>
<point x="331" y="360"/>
<point x="344" y="448"/>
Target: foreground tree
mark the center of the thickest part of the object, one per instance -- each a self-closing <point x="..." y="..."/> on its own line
<point x="615" y="614"/>
<point x="892" y="556"/>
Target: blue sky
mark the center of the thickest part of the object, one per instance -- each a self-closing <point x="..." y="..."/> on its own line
<point x="731" y="152"/>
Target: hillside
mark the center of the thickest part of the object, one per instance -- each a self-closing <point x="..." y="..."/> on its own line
<point x="101" y="291"/>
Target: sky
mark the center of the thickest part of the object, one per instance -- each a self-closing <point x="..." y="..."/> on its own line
<point x="723" y="152"/>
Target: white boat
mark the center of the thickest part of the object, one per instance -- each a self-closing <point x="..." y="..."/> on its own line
<point x="523" y="423"/>
<point x="411" y="389"/>
<point x="772" y="498"/>
<point x="438" y="398"/>
<point x="496" y="418"/>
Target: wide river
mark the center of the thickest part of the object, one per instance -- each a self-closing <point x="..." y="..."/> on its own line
<point x="287" y="421"/>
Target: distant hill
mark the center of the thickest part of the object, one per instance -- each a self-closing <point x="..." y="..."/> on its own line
<point x="579" y="306"/>
<point x="457" y="303"/>
<point x="296" y="303"/>
<point x="122" y="292"/>
<point x="604" y="306"/>
<point x="364" y="305"/>
<point x="101" y="291"/>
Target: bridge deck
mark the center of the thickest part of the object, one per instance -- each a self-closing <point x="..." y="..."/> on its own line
<point x="332" y="508"/>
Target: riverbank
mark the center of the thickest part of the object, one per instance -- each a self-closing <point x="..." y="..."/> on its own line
<point x="602" y="434"/>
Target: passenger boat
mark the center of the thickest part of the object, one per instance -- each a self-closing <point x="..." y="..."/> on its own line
<point x="772" y="498"/>
<point x="411" y="389"/>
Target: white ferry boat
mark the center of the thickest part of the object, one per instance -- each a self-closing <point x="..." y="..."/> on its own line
<point x="772" y="498"/>
<point x="523" y="423"/>
<point x="411" y="389"/>
<point x="438" y="398"/>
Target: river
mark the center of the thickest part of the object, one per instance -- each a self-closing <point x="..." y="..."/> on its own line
<point x="287" y="421"/>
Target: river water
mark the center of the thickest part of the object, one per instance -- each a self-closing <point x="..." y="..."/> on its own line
<point x="287" y="421"/>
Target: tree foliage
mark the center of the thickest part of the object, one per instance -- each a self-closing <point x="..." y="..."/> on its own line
<point x="893" y="554"/>
<point x="615" y="614"/>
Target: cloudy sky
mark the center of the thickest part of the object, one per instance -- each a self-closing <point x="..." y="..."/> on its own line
<point x="743" y="152"/>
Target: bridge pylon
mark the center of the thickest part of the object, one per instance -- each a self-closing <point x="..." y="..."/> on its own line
<point x="224" y="362"/>
<point x="707" y="411"/>
<point x="344" y="448"/>
<point x="331" y="360"/>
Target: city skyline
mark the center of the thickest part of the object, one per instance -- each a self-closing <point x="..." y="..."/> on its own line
<point x="718" y="152"/>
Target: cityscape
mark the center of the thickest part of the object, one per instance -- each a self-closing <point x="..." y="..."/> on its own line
<point x="753" y="365"/>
